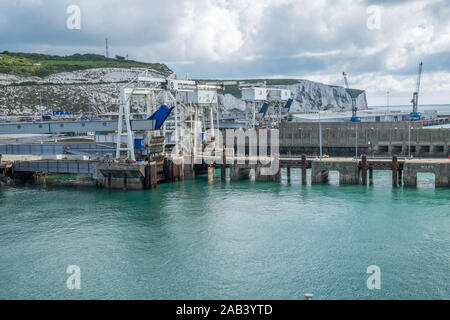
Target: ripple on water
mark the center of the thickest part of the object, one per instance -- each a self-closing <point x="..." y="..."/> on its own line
<point x="198" y="240"/>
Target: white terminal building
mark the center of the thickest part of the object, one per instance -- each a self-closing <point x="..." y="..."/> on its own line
<point x="369" y="115"/>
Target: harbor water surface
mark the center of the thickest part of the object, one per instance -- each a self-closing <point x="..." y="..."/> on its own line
<point x="241" y="240"/>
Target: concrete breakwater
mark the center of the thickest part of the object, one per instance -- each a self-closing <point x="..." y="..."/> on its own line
<point x="351" y="170"/>
<point x="146" y="175"/>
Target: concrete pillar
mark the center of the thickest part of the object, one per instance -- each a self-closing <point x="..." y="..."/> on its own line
<point x="443" y="178"/>
<point x="410" y="180"/>
<point x="319" y="172"/>
<point x="239" y="172"/>
<point x="189" y="172"/>
<point x="348" y="173"/>
<point x="210" y="173"/>
<point x="319" y="176"/>
<point x="188" y="168"/>
<point x="259" y="177"/>
<point x="442" y="175"/>
<point x="409" y="176"/>
<point x="277" y="176"/>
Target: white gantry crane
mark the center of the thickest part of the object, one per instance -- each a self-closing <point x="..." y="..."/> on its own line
<point x="254" y="94"/>
<point x="125" y="117"/>
<point x="153" y="90"/>
<point x="202" y="99"/>
<point x="257" y="94"/>
<point x="354" y="117"/>
<point x="415" y="100"/>
<point x="192" y="102"/>
<point x="278" y="98"/>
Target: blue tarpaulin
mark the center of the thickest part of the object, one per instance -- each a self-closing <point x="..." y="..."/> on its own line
<point x="139" y="143"/>
<point x="288" y="105"/>
<point x="264" y="109"/>
<point x="160" y="116"/>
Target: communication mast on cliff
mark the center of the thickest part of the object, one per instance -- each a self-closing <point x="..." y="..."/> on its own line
<point x="107" y="53"/>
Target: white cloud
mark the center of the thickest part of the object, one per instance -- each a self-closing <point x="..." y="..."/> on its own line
<point x="249" y="38"/>
<point x="209" y="31"/>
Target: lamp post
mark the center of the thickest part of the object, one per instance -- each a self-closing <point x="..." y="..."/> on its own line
<point x="387" y="105"/>
<point x="356" y="139"/>
<point x="409" y="139"/>
<point x="320" y="136"/>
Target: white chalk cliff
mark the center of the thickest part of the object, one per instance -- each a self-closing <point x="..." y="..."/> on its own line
<point x="309" y="96"/>
<point x="80" y="90"/>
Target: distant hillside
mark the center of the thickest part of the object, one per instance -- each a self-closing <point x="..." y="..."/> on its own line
<point x="42" y="65"/>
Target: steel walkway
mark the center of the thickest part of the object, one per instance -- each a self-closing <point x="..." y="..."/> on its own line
<point x="55" y="166"/>
<point x="58" y="148"/>
<point x="54" y="127"/>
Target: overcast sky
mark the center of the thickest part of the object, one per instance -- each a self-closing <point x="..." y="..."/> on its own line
<point x="378" y="43"/>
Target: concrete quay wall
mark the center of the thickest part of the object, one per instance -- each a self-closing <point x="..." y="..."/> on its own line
<point x="348" y="171"/>
<point x="340" y="139"/>
<point x="441" y="172"/>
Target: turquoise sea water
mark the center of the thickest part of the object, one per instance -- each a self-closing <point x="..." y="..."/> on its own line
<point x="238" y="240"/>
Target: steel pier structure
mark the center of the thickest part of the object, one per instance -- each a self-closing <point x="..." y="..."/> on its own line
<point x="55" y="166"/>
<point x="80" y="148"/>
<point x="57" y="127"/>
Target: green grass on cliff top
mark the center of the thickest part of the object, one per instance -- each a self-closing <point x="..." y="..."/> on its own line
<point x="42" y="65"/>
